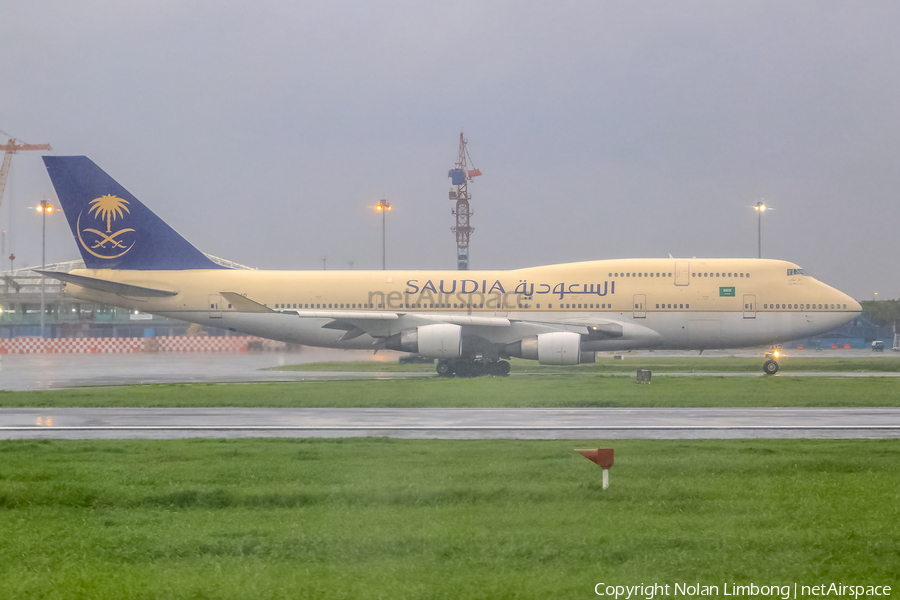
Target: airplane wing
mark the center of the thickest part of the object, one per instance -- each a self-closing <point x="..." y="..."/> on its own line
<point x="382" y="324"/>
<point x="112" y="287"/>
<point x="244" y="304"/>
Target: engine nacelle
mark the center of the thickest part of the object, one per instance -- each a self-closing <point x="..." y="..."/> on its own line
<point x="556" y="348"/>
<point x="442" y="340"/>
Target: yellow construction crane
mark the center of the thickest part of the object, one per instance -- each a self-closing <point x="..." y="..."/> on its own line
<point x="11" y="148"/>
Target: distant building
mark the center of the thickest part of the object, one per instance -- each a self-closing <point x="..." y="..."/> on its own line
<point x="68" y="317"/>
<point x="858" y="333"/>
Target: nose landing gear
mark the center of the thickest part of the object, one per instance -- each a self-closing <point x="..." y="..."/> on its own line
<point x="770" y="367"/>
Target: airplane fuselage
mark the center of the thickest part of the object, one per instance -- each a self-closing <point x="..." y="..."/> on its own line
<point x="657" y="303"/>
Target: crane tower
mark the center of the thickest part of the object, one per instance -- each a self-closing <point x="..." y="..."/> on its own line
<point x="460" y="176"/>
<point x="11" y="148"/>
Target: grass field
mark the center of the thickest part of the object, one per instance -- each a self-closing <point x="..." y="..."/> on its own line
<point x="378" y="518"/>
<point x="539" y="390"/>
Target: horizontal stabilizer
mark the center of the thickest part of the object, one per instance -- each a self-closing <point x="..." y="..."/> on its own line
<point x="244" y="304"/>
<point x="105" y="285"/>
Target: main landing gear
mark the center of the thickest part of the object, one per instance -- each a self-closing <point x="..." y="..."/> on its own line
<point x="462" y="367"/>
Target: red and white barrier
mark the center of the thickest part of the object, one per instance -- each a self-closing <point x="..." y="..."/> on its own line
<point x="124" y="345"/>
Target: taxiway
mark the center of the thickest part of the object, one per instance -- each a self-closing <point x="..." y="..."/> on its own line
<point x="450" y="423"/>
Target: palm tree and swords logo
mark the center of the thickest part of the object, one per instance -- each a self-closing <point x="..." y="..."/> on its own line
<point x="110" y="244"/>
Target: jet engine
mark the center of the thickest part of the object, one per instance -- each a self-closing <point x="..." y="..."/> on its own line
<point x="442" y="340"/>
<point x="556" y="348"/>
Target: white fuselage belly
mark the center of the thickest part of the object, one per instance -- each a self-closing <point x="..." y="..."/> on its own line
<point x="664" y="304"/>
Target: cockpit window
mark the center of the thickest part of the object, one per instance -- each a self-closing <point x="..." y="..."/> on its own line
<point x="791" y="272"/>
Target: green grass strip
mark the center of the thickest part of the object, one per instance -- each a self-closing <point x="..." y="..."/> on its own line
<point x="380" y="518"/>
<point x="539" y="390"/>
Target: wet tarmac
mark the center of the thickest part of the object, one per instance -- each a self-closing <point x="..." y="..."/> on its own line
<point x="54" y="371"/>
<point x="450" y="423"/>
<point x="21" y="372"/>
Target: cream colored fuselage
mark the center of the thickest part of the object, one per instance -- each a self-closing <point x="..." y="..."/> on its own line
<point x="660" y="303"/>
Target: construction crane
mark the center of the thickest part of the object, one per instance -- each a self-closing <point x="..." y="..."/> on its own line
<point x="11" y="148"/>
<point x="460" y="176"/>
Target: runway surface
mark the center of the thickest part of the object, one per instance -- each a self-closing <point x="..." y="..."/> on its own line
<point x="450" y="423"/>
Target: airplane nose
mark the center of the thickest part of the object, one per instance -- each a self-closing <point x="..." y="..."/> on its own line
<point x="854" y="305"/>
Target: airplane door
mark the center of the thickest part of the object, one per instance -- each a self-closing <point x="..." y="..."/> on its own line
<point x="640" y="306"/>
<point x="682" y="272"/>
<point x="215" y="306"/>
<point x="749" y="306"/>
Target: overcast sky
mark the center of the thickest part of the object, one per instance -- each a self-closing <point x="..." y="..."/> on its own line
<point x="265" y="132"/>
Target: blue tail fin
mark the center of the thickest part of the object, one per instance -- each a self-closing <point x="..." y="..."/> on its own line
<point x="112" y="229"/>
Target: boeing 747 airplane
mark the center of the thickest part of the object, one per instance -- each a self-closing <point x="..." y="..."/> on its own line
<point x="469" y="320"/>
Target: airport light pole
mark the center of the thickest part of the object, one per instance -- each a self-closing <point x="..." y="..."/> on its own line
<point x="383" y="206"/>
<point x="45" y="208"/>
<point x="760" y="208"/>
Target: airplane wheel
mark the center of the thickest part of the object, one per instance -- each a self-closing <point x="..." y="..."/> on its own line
<point x="502" y="368"/>
<point x="770" y="367"/>
<point x="444" y="368"/>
